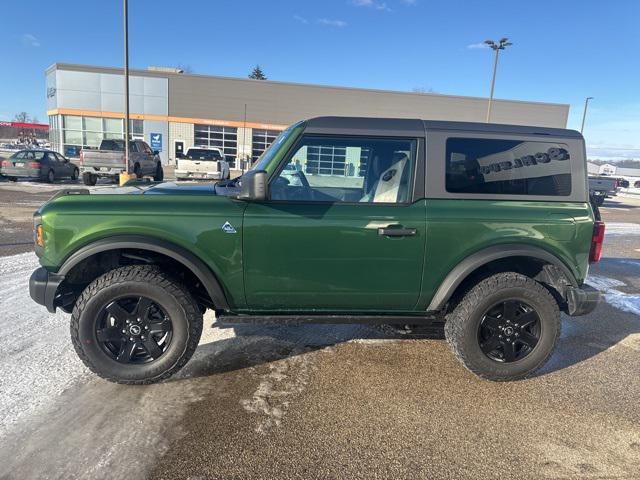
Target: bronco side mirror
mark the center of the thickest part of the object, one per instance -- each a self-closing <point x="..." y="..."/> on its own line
<point x="254" y="185"/>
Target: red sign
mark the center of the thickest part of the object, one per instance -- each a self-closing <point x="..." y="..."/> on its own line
<point x="28" y="126"/>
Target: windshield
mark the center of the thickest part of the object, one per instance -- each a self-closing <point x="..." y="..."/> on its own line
<point x="264" y="159"/>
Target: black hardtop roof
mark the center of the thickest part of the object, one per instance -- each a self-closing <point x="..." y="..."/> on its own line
<point x="408" y="126"/>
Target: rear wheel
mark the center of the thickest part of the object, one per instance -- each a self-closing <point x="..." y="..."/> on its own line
<point x="89" y="179"/>
<point x="135" y="325"/>
<point x="75" y="174"/>
<point x="137" y="171"/>
<point x="51" y="176"/>
<point x="159" y="175"/>
<point x="505" y="327"/>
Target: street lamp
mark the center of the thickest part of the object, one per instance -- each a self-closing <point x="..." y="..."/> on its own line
<point x="501" y="45"/>
<point x="584" y="114"/>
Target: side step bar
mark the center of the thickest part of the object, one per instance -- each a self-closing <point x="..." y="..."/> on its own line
<point x="292" y="320"/>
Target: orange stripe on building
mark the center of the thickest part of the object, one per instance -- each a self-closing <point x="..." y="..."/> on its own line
<point x="165" y="118"/>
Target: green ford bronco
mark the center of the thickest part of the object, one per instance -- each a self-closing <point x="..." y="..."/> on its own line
<point x="342" y="220"/>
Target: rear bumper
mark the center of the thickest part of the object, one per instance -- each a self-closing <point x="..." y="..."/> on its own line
<point x="102" y="171"/>
<point x="20" y="172"/>
<point x="185" y="174"/>
<point x="43" y="286"/>
<point x="582" y="300"/>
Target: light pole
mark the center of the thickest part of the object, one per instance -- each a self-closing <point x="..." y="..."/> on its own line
<point x="496" y="47"/>
<point x="584" y="114"/>
<point x="126" y="85"/>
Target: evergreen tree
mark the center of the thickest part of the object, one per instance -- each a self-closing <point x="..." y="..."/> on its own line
<point x="257" y="73"/>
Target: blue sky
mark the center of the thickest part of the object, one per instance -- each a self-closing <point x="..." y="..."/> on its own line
<point x="563" y="50"/>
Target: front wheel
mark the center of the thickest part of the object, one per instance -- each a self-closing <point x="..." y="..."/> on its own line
<point x="135" y="325"/>
<point x="505" y="327"/>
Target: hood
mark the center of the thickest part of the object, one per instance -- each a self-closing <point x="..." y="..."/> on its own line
<point x="166" y="188"/>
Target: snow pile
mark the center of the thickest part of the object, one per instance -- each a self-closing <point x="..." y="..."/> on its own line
<point x="37" y="360"/>
<point x="608" y="286"/>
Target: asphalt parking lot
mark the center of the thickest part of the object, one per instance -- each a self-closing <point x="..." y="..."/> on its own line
<point x="322" y="401"/>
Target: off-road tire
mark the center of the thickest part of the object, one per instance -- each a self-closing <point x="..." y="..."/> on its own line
<point x="89" y="179"/>
<point x="159" y="175"/>
<point x="461" y="327"/>
<point x="147" y="280"/>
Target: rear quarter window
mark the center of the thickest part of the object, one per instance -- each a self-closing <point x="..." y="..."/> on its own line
<point x="508" y="167"/>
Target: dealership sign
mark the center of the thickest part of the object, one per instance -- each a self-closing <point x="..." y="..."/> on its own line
<point x="156" y="141"/>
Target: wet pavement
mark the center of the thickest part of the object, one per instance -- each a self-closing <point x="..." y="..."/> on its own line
<point x="326" y="401"/>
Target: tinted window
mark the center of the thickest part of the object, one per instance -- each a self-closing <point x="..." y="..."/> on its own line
<point x="203" y="154"/>
<point x="508" y="167"/>
<point x="117" y="145"/>
<point x="347" y="169"/>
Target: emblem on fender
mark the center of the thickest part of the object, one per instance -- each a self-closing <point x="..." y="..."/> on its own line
<point x="228" y="228"/>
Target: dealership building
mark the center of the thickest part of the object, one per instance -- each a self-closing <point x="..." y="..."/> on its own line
<point x="173" y="111"/>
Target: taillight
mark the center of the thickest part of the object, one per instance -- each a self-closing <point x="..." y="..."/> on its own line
<point x="34" y="164"/>
<point x="596" y="242"/>
<point x="6" y="163"/>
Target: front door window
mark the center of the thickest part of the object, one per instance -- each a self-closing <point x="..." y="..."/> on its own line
<point x="347" y="169"/>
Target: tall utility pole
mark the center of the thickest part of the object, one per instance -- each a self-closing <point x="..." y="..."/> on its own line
<point x="584" y="114"/>
<point x="126" y="84"/>
<point x="496" y="47"/>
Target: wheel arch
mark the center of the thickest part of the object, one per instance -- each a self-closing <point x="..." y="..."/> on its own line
<point x="128" y="243"/>
<point x="553" y="272"/>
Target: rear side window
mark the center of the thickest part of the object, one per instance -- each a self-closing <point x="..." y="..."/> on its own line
<point x="507" y="167"/>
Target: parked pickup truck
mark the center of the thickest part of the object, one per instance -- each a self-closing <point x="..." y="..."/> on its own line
<point x="487" y="228"/>
<point x="202" y="164"/>
<point x="109" y="161"/>
<point x="601" y="187"/>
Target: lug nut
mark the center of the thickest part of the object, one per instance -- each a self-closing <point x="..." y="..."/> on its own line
<point x="128" y="321"/>
<point x="131" y="339"/>
<point x="138" y="319"/>
<point x="124" y="331"/>
<point x="146" y="327"/>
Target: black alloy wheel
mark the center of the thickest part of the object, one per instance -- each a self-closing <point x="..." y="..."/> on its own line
<point x="509" y="331"/>
<point x="133" y="330"/>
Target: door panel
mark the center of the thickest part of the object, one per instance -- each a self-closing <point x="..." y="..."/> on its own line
<point x="330" y="257"/>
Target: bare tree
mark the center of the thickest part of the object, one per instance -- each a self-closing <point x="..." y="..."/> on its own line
<point x="22" y="117"/>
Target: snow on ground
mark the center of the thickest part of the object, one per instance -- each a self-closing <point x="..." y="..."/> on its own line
<point x="614" y="228"/>
<point x="612" y="295"/>
<point x="37" y="360"/>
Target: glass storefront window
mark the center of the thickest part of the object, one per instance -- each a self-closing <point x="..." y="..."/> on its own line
<point x="92" y="139"/>
<point x="93" y="124"/>
<point x="113" y="125"/>
<point x="72" y="122"/>
<point x="73" y="137"/>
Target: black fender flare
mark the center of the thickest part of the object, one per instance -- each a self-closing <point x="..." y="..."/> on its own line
<point x="476" y="260"/>
<point x="177" y="253"/>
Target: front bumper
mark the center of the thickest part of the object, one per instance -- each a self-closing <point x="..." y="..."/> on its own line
<point x="582" y="300"/>
<point x="186" y="175"/>
<point x="43" y="286"/>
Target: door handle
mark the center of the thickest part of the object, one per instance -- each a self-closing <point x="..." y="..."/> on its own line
<point x="399" y="231"/>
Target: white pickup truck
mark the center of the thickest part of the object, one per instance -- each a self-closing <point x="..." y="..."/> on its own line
<point x="202" y="164"/>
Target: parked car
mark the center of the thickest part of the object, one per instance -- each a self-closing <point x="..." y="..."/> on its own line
<point x="636" y="184"/>
<point x="45" y="165"/>
<point x="202" y="164"/>
<point x="109" y="161"/>
<point x="482" y="226"/>
<point x="623" y="182"/>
